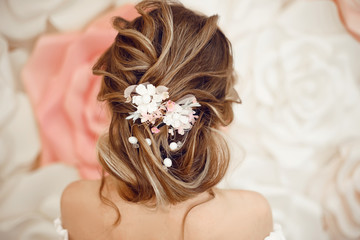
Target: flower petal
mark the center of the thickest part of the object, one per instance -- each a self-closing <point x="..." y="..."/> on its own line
<point x="151" y="89"/>
<point x="129" y="90"/>
<point x="141" y="89"/>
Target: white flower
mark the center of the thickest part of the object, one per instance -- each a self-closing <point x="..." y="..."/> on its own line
<point x="150" y="107"/>
<point x="146" y="91"/>
<point x="337" y="188"/>
<point x="301" y="95"/>
<point x="298" y="91"/>
<point x="148" y="101"/>
<point x="22" y="21"/>
<point x="180" y="115"/>
<point x="7" y="84"/>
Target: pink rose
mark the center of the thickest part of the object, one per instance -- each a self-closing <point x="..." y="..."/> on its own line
<point x="60" y="84"/>
<point x="349" y="11"/>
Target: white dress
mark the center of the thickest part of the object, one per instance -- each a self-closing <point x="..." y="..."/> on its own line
<point x="277" y="234"/>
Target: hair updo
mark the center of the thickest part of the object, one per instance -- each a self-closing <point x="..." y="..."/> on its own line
<point x="172" y="46"/>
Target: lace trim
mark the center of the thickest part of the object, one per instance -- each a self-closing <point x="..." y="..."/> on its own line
<point x="63" y="233"/>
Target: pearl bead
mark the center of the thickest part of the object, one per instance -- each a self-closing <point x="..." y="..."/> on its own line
<point x="148" y="141"/>
<point x="167" y="162"/>
<point x="133" y="140"/>
<point x="173" y="146"/>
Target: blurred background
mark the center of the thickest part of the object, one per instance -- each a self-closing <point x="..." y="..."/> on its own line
<point x="295" y="138"/>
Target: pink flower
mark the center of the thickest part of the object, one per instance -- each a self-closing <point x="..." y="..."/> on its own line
<point x="192" y="117"/>
<point x="63" y="91"/>
<point x="155" y="130"/>
<point x="146" y="117"/>
<point x="170" y="105"/>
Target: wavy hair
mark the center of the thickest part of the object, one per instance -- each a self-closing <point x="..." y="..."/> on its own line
<point x="172" y="46"/>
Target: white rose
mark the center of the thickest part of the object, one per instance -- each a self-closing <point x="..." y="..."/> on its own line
<point x="7" y="82"/>
<point x="19" y="142"/>
<point x="337" y="187"/>
<point x="239" y="17"/>
<point x="301" y="91"/>
<point x="23" y="20"/>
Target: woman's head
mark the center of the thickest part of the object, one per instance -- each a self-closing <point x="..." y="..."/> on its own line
<point x="167" y="45"/>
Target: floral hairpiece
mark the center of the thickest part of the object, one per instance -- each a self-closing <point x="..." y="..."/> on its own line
<point x="151" y="106"/>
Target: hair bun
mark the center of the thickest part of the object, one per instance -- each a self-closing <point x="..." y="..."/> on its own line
<point x="167" y="45"/>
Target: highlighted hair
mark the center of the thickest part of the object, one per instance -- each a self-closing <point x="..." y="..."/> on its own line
<point x="172" y="46"/>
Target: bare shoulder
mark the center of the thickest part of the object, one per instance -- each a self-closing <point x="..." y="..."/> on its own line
<point x="233" y="214"/>
<point x="77" y="187"/>
<point x="252" y="203"/>
<point x="78" y="193"/>
<point x="79" y="202"/>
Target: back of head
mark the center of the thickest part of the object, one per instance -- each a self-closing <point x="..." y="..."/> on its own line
<point x="167" y="45"/>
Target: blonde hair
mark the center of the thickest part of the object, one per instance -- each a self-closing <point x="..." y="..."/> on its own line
<point x="168" y="45"/>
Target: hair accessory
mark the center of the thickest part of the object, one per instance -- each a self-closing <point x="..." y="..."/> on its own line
<point x="134" y="141"/>
<point x="167" y="162"/>
<point x="155" y="130"/>
<point x="173" y="146"/>
<point x="152" y="108"/>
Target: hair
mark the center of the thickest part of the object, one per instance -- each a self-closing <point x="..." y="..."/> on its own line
<point x="172" y="46"/>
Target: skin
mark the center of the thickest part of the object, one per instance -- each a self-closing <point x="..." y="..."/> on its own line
<point x="232" y="214"/>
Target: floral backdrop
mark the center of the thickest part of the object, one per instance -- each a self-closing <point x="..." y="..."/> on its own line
<point x="295" y="138"/>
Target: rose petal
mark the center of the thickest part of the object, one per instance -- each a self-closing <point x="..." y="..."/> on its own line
<point x="29" y="9"/>
<point x="67" y="18"/>
<point x="63" y="94"/>
<point x="7" y="84"/>
<point x="17" y="29"/>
